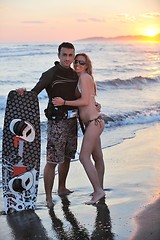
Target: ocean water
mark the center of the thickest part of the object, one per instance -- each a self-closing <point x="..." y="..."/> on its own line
<point x="127" y="77"/>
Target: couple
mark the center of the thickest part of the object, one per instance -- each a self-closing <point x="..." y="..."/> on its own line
<point x="68" y="89"/>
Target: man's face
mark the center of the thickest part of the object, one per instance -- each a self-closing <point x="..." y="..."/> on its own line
<point x="66" y="57"/>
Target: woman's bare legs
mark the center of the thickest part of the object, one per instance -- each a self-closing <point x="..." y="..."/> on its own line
<point x="90" y="139"/>
<point x="98" y="159"/>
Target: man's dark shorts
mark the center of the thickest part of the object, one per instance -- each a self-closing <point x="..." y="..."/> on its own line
<point x="62" y="140"/>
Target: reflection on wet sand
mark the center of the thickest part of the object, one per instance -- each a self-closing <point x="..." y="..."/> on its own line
<point x="26" y="225"/>
<point x="102" y="227"/>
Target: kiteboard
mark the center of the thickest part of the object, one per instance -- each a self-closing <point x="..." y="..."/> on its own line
<point x="21" y="151"/>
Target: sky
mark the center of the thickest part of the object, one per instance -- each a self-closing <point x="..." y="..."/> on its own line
<point x="69" y="20"/>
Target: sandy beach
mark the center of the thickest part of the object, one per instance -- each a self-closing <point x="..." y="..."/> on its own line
<point x="130" y="210"/>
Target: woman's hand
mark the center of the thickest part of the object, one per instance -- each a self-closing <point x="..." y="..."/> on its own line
<point x="58" y="101"/>
<point x="98" y="106"/>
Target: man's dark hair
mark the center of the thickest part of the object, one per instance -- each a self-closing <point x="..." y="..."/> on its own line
<point x="65" y="45"/>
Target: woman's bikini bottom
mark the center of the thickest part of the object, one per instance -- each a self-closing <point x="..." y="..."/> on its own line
<point x="96" y="120"/>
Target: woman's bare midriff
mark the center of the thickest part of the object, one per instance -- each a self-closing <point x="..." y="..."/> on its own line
<point x="89" y="112"/>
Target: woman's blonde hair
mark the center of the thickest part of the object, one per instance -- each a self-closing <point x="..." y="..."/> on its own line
<point x="88" y="64"/>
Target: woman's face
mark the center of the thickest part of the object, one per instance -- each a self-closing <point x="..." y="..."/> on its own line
<point x="80" y="64"/>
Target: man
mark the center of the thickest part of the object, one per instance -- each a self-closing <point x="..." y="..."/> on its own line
<point x="60" y="80"/>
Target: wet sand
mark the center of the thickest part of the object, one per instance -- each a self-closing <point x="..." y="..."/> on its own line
<point x="130" y="210"/>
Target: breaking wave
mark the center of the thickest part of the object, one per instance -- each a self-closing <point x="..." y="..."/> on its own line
<point x="135" y="82"/>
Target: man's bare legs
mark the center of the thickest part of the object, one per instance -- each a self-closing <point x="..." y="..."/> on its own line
<point x="90" y="139"/>
<point x="49" y="175"/>
<point x="63" y="170"/>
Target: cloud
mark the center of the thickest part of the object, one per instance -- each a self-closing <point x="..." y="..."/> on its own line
<point x="126" y="17"/>
<point x="151" y="15"/>
<point x="81" y="20"/>
<point x="33" y="22"/>
<point x="96" y="20"/>
<point x="92" y="19"/>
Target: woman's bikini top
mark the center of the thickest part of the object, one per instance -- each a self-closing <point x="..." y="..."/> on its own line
<point x="78" y="91"/>
<point x="78" y="87"/>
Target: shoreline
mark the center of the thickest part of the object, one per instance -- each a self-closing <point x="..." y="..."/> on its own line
<point x="131" y="207"/>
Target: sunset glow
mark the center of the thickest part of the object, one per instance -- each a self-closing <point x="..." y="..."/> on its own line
<point x="42" y="21"/>
<point x="151" y="32"/>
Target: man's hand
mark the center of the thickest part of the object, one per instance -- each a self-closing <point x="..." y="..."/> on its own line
<point x="21" y="91"/>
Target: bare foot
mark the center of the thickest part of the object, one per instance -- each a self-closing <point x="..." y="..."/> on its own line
<point x="49" y="203"/>
<point x="65" y="191"/>
<point x="96" y="197"/>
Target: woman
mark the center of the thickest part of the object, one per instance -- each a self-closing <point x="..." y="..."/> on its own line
<point x="94" y="125"/>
